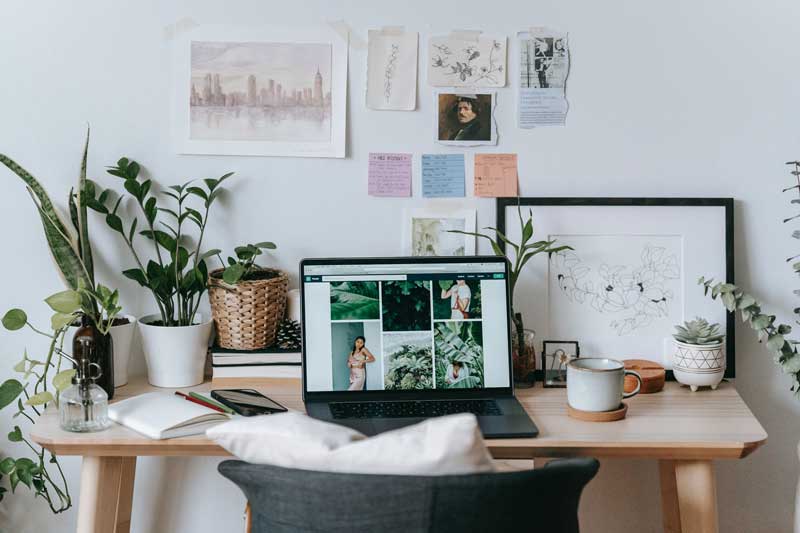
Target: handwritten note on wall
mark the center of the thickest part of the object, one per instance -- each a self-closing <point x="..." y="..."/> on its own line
<point x="496" y="175"/>
<point x="389" y="174"/>
<point x="442" y="175"/>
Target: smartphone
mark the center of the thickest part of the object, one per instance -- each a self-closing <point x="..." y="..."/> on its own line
<point x="247" y="402"/>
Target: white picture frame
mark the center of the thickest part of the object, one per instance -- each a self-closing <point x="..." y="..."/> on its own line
<point x="425" y="231"/>
<point x="300" y="110"/>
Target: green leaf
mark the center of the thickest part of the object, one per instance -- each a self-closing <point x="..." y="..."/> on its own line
<point x="775" y="342"/>
<point x="15" y="319"/>
<point x="15" y="435"/>
<point x="63" y="379"/>
<point x="527" y="231"/>
<point x="136" y="275"/>
<point x="233" y="274"/>
<point x="133" y="170"/>
<point x="64" y="301"/>
<point x="61" y="320"/>
<point x="9" y="390"/>
<point x="209" y="253"/>
<point x="729" y="301"/>
<point x="114" y="222"/>
<point x="132" y="231"/>
<point x="21" y="366"/>
<point x="266" y="245"/>
<point x="86" y="190"/>
<point x="760" y="321"/>
<point x="7" y="466"/>
<point x="40" y="398"/>
<point x="163" y="238"/>
<point x="197" y="191"/>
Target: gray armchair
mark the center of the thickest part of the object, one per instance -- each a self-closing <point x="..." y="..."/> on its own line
<point x="283" y="500"/>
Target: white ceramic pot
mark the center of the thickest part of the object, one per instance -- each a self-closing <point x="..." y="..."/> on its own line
<point x="175" y="356"/>
<point x="698" y="365"/>
<point x="123" y="339"/>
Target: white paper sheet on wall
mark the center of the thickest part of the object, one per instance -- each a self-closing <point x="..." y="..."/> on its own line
<point x="544" y="67"/>
<point x="392" y="70"/>
<point x="467" y="59"/>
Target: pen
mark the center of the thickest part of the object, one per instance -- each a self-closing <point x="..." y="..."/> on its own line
<point x="215" y="403"/>
<point x="199" y="402"/>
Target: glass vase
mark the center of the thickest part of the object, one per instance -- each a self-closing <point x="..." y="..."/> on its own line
<point x="524" y="358"/>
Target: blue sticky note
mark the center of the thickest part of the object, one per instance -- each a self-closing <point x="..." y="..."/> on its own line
<point x="442" y="175"/>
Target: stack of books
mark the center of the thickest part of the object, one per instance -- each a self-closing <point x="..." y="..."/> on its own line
<point x="270" y="362"/>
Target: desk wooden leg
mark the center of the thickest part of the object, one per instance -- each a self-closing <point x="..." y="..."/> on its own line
<point x="106" y="494"/>
<point x="689" y="496"/>
<point x="670" y="511"/>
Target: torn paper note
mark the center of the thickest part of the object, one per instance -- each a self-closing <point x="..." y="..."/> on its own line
<point x="460" y="61"/>
<point x="544" y="67"/>
<point x="389" y="174"/>
<point x="392" y="70"/>
<point x="496" y="175"/>
<point x="442" y="175"/>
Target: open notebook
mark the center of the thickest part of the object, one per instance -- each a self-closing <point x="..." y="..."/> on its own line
<point x="163" y="415"/>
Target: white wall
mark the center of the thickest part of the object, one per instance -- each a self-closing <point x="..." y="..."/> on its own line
<point x="689" y="97"/>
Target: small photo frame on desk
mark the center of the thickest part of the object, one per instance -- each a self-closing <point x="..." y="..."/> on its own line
<point x="555" y="357"/>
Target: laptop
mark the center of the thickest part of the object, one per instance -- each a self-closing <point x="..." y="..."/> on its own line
<point x="389" y="342"/>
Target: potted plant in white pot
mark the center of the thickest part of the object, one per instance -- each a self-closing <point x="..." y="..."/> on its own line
<point x="248" y="301"/>
<point x="699" y="356"/>
<point x="174" y="340"/>
<point x="523" y="350"/>
<point x="71" y="250"/>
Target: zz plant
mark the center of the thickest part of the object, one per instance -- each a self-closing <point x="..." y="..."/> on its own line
<point x="178" y="274"/>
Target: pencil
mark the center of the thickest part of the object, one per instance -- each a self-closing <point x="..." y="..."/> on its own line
<point x="198" y="396"/>
<point x="199" y="402"/>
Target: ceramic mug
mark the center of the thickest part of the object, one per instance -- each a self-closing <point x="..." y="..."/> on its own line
<point x="598" y="384"/>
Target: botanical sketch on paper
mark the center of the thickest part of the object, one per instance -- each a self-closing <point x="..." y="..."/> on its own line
<point x="428" y="232"/>
<point x="260" y="91"/>
<point x="632" y="293"/>
<point x="460" y="62"/>
<point x="392" y="70"/>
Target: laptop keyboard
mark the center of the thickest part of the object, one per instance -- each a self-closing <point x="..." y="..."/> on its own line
<point x="414" y="409"/>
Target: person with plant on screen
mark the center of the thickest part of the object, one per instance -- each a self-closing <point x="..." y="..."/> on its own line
<point x="456" y="371"/>
<point x="460" y="296"/>
<point x="357" y="363"/>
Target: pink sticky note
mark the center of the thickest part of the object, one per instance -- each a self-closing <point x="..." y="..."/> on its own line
<point x="389" y="174"/>
<point x="495" y="175"/>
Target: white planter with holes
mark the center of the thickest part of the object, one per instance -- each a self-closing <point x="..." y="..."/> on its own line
<point x="699" y="365"/>
<point x="175" y="356"/>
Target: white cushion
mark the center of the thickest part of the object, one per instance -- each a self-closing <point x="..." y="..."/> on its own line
<point x="439" y="446"/>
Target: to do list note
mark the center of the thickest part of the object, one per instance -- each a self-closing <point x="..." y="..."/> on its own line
<point x="495" y="175"/>
<point x="442" y="175"/>
<point x="389" y="174"/>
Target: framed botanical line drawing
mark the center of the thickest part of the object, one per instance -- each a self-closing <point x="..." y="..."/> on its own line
<point x="632" y="274"/>
<point x="426" y="231"/>
<point x="267" y="91"/>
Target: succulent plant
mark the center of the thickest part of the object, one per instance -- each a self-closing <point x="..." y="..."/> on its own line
<point x="699" y="332"/>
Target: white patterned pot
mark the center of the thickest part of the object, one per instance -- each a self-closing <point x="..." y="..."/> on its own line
<point x="699" y="365"/>
<point x="175" y="356"/>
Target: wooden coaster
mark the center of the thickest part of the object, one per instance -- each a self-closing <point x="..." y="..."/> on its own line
<point x="602" y="416"/>
<point x="653" y="376"/>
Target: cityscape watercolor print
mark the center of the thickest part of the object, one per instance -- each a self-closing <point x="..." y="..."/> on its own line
<point x="260" y="91"/>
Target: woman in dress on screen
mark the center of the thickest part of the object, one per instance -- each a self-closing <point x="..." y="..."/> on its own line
<point x="357" y="363"/>
<point x="459" y="295"/>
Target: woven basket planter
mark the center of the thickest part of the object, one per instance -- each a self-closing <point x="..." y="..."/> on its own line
<point x="247" y="315"/>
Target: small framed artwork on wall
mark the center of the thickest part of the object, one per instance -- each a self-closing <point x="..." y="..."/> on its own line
<point x="431" y="231"/>
<point x="556" y="355"/>
<point x="631" y="274"/>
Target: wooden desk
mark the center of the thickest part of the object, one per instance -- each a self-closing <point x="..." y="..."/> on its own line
<point x="684" y="431"/>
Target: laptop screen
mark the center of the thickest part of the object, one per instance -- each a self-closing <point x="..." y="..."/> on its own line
<point x="410" y="326"/>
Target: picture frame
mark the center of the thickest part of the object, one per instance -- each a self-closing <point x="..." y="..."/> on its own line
<point x="465" y="117"/>
<point x="555" y="357"/>
<point x="668" y="242"/>
<point x="259" y="91"/>
<point x="425" y="231"/>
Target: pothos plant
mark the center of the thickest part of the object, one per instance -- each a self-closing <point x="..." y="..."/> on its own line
<point x="177" y="274"/>
<point x="70" y="248"/>
<point x="524" y="251"/>
<point x="41" y="472"/>
<point x="769" y="331"/>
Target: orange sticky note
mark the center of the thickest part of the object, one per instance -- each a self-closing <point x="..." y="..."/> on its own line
<point x="495" y="175"/>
